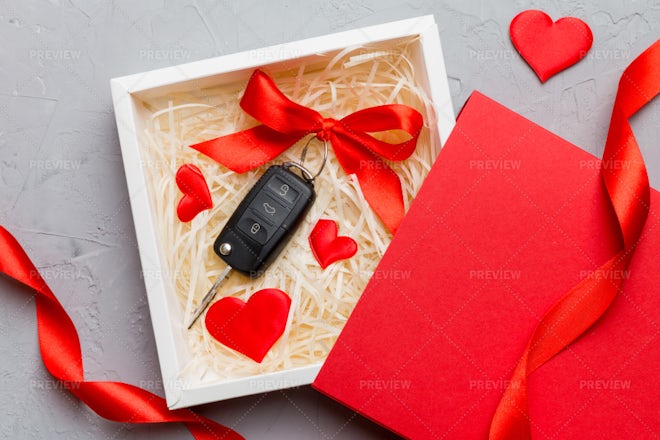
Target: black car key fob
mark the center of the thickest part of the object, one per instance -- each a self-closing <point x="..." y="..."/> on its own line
<point x="265" y="220"/>
<point x="263" y="223"/>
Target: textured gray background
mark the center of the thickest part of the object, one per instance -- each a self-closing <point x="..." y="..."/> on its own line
<point x="63" y="193"/>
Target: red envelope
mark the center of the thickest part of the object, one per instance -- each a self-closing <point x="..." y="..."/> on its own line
<point x="509" y="219"/>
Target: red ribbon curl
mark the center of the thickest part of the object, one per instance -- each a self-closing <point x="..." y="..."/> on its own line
<point x="60" y="350"/>
<point x="628" y="189"/>
<point x="285" y="122"/>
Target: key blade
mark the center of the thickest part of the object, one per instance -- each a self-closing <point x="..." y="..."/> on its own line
<point x="209" y="296"/>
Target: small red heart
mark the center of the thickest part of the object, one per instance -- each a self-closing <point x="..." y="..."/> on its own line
<point x="549" y="47"/>
<point x="250" y="327"/>
<point x="327" y="247"/>
<point x="196" y="196"/>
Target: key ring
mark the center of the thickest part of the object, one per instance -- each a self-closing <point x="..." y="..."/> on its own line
<point x="307" y="175"/>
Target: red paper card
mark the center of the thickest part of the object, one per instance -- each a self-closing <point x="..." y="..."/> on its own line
<point x="509" y="219"/>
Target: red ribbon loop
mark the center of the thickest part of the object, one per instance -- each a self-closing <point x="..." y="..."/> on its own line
<point x="284" y="122"/>
<point x="628" y="189"/>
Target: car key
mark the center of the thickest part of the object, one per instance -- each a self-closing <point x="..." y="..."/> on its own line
<point x="263" y="223"/>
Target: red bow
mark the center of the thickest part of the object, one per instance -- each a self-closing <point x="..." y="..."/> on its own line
<point x="285" y="122"/>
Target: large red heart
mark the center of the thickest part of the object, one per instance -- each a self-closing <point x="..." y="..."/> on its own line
<point x="196" y="196"/>
<point x="327" y="247"/>
<point x="549" y="47"/>
<point x="250" y="327"/>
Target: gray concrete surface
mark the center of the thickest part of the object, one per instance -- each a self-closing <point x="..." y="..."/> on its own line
<point x="63" y="192"/>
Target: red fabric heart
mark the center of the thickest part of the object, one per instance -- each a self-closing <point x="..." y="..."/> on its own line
<point x="327" y="247"/>
<point x="250" y="327"/>
<point x="196" y="196"/>
<point x="549" y="47"/>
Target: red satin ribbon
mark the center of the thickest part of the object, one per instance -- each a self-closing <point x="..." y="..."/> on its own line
<point x="628" y="189"/>
<point x="285" y="122"/>
<point x="60" y="350"/>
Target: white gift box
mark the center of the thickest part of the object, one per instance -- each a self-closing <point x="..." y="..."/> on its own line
<point x="129" y="93"/>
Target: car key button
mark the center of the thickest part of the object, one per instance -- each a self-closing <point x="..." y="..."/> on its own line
<point x="283" y="190"/>
<point x="255" y="228"/>
<point x="269" y="209"/>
